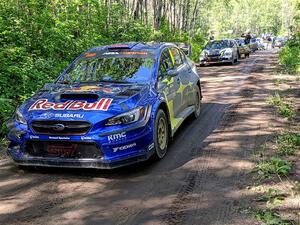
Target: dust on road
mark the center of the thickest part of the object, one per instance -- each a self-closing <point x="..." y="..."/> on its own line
<point x="202" y="180"/>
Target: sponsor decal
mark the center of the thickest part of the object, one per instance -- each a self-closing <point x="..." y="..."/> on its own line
<point x="91" y="54"/>
<point x="33" y="137"/>
<point x="150" y="147"/>
<point x="91" y="88"/>
<point x="124" y="147"/>
<point x="85" y="138"/>
<point x="59" y="138"/>
<point x="119" y="46"/>
<point x="69" y="115"/>
<point x="117" y="137"/>
<point x="111" y="53"/>
<point x="135" y="53"/>
<point x="43" y="104"/>
<point x="61" y="150"/>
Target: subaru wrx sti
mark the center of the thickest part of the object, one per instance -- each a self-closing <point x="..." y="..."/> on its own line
<point x="113" y="106"/>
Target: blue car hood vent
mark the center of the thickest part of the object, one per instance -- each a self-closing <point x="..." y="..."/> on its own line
<point x="79" y="96"/>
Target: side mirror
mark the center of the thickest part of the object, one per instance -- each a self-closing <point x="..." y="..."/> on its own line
<point x="172" y="72"/>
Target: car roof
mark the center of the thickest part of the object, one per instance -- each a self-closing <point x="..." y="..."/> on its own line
<point x="152" y="47"/>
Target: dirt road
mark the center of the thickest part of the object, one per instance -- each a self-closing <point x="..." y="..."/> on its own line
<point x="202" y="180"/>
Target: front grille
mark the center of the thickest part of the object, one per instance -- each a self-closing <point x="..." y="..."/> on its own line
<point x="213" y="59"/>
<point x="53" y="127"/>
<point x="63" y="149"/>
<point x="214" y="55"/>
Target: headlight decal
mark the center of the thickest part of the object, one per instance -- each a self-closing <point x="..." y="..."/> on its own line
<point x="20" y="118"/>
<point x="132" y="116"/>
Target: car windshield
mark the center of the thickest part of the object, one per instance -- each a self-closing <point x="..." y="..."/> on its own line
<point x="217" y="45"/>
<point x="114" y="67"/>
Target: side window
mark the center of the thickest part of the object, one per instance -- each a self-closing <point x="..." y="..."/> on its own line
<point x="183" y="56"/>
<point x="176" y="56"/>
<point x="165" y="63"/>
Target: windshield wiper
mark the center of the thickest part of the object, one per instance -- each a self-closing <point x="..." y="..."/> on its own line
<point x="63" y="82"/>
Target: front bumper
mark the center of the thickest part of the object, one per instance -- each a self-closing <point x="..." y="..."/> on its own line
<point x="213" y="60"/>
<point x="75" y="163"/>
<point x="113" y="150"/>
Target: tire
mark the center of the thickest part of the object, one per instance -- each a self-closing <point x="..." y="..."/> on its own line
<point x="232" y="61"/>
<point x="161" y="140"/>
<point x="197" y="104"/>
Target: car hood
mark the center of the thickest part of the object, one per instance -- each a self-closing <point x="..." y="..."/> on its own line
<point x="84" y="102"/>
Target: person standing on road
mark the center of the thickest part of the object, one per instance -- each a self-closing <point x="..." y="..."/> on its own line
<point x="247" y="38"/>
<point x="269" y="39"/>
<point x="273" y="42"/>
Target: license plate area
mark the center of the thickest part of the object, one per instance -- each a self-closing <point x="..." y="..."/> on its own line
<point x="59" y="150"/>
<point x="63" y="149"/>
<point x="213" y="59"/>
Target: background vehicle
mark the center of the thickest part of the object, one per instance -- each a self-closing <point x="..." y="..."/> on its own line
<point x="280" y="41"/>
<point x="219" y="51"/>
<point x="113" y="106"/>
<point x="253" y="44"/>
<point x="186" y="48"/>
<point x="244" y="50"/>
<point x="261" y="44"/>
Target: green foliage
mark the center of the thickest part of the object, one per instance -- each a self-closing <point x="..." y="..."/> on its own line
<point x="284" y="108"/>
<point x="268" y="217"/>
<point x="273" y="197"/>
<point x="38" y="39"/>
<point x="273" y="166"/>
<point x="289" y="57"/>
<point x="287" y="143"/>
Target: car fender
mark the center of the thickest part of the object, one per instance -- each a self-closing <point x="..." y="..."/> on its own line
<point x="161" y="101"/>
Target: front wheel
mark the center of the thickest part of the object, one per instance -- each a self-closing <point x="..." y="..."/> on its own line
<point x="161" y="134"/>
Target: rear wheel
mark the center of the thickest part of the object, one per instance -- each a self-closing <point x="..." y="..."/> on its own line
<point x="161" y="134"/>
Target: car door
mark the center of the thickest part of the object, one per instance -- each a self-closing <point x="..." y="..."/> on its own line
<point x="184" y="77"/>
<point x="168" y="85"/>
<point x="190" y="79"/>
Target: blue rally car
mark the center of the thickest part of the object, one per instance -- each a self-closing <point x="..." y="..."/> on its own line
<point x="113" y="106"/>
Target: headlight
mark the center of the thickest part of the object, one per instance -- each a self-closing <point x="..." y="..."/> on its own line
<point x="20" y="118"/>
<point x="128" y="117"/>
<point x="203" y="54"/>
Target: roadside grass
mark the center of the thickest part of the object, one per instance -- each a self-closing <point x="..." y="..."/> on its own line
<point x="269" y="217"/>
<point x="272" y="197"/>
<point x="287" y="144"/>
<point x="276" y="158"/>
<point x="273" y="166"/>
<point x="284" y="107"/>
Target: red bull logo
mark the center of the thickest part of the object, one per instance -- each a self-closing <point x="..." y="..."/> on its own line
<point x="43" y="104"/>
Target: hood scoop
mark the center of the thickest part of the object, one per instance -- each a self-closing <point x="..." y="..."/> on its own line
<point x="79" y="96"/>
